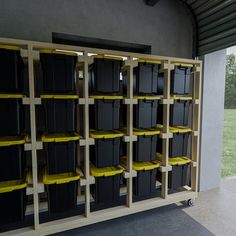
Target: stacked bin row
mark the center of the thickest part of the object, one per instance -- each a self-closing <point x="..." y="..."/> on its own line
<point x="148" y="82"/>
<point x="59" y="138"/>
<point x="180" y="110"/>
<point x="179" y="120"/>
<point x="180" y="90"/>
<point x="147" y="85"/>
<point x="13" y="179"/>
<point x="105" y="128"/>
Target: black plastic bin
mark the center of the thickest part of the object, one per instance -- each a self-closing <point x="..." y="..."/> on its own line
<point x="104" y="74"/>
<point x="145" y="147"/>
<point x="60" y="113"/>
<point x="178" y="145"/>
<point x="105" y="113"/>
<point x="107" y="185"/>
<point x="181" y="80"/>
<point x="160" y="114"/>
<point x="160" y="84"/>
<point x="106" y="151"/>
<point x="12" y="115"/>
<point x="62" y="191"/>
<point x="58" y="71"/>
<point x="145" y="113"/>
<point x="179" y="142"/>
<point x="146" y="77"/>
<point x="179" y="113"/>
<point x="12" y="201"/>
<point x="61" y="152"/>
<point x="12" y="158"/>
<point x="145" y="182"/>
<point x="11" y="67"/>
<point x="179" y="175"/>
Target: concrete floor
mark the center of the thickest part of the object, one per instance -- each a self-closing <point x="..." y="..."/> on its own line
<point x="214" y="213"/>
<point x="216" y="209"/>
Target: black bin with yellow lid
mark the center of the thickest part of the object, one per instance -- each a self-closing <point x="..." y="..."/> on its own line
<point x="58" y="71"/>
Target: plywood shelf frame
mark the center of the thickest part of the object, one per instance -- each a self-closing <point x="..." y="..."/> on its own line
<point x="30" y="51"/>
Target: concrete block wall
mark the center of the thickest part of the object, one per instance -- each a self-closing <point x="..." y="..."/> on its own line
<point x="166" y="26"/>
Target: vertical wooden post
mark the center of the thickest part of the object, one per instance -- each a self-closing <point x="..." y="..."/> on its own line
<point x="33" y="135"/>
<point x="86" y="133"/>
<point x="165" y="141"/>
<point x="130" y="65"/>
<point x="78" y="122"/>
<point x="197" y="86"/>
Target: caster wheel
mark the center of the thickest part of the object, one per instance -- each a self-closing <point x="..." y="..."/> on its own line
<point x="190" y="202"/>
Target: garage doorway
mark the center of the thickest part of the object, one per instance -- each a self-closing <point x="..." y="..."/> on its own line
<point x="229" y="140"/>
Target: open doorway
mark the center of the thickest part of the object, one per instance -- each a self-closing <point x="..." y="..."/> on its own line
<point x="229" y="140"/>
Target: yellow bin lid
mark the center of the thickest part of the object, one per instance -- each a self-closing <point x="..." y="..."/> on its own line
<point x="146" y="132"/>
<point x="175" y="160"/>
<point x="175" y="129"/>
<point x="60" y="178"/>
<point x="106" y="134"/>
<point x="12" y="140"/>
<point x="179" y="161"/>
<point x="149" y="61"/>
<point x="55" y="96"/>
<point x="179" y="98"/>
<point x="108" y="57"/>
<point x="141" y="165"/>
<point x="12" y="185"/>
<point x="7" y="96"/>
<point x="10" y="47"/>
<point x="180" y="129"/>
<point x="52" y="51"/>
<point x="106" y="97"/>
<point x="145" y="165"/>
<point x="150" y="98"/>
<point x="106" y="171"/>
<point x="58" y="138"/>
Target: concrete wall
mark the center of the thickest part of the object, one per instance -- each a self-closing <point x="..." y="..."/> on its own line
<point x="212" y="119"/>
<point x="167" y="26"/>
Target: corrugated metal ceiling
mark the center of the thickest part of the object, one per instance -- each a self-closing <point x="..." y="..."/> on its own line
<point x="215" y="24"/>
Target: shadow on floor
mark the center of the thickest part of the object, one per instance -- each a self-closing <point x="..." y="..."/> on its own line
<point x="168" y="220"/>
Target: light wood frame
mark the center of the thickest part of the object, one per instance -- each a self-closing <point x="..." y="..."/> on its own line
<point x="30" y="51"/>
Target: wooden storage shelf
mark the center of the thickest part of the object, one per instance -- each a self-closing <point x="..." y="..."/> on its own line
<point x="30" y="51"/>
